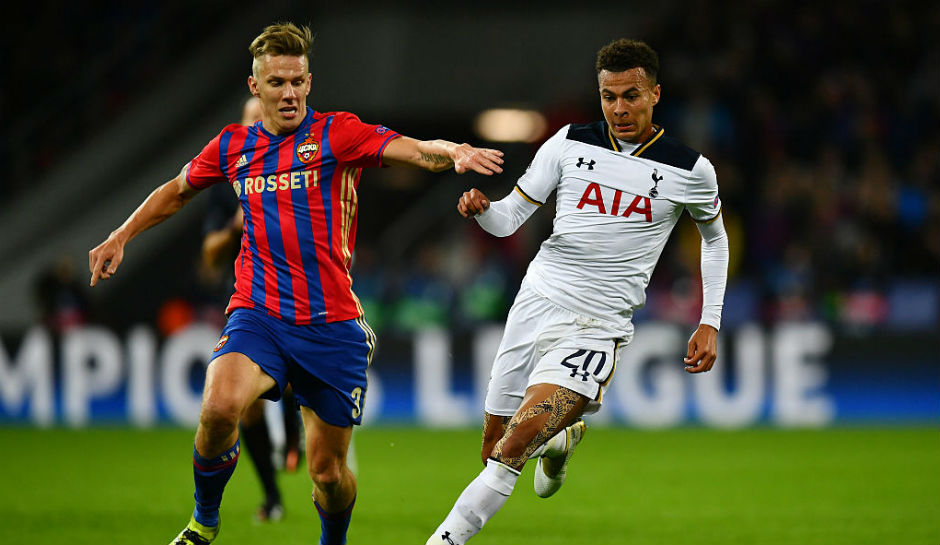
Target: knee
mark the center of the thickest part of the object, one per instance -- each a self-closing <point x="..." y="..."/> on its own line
<point x="219" y="416"/>
<point x="326" y="471"/>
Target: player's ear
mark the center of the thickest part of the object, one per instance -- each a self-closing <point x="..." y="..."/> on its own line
<point x="656" y="92"/>
<point x="253" y="85"/>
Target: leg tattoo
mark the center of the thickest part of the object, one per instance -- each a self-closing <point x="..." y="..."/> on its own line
<point x="558" y="407"/>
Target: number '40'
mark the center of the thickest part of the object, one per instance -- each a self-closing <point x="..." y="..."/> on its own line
<point x="582" y="368"/>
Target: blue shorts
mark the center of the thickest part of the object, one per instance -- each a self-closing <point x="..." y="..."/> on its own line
<point x="325" y="364"/>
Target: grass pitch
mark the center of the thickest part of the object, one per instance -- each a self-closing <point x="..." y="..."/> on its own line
<point x="685" y="486"/>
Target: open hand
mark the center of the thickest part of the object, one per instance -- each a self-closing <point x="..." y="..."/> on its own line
<point x="481" y="160"/>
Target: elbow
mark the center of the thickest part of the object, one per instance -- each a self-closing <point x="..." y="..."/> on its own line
<point x="498" y="231"/>
<point x="182" y="199"/>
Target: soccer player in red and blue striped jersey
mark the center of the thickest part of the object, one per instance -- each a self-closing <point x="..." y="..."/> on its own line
<point x="293" y="317"/>
<point x="298" y="195"/>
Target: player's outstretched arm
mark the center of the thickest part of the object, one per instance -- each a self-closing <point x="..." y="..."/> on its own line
<point x="162" y="203"/>
<point x="439" y="155"/>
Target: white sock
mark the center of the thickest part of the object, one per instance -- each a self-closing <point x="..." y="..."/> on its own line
<point x="553" y="447"/>
<point x="482" y="498"/>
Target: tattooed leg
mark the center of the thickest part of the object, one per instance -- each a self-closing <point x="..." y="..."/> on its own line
<point x="546" y="410"/>
<point x="493" y="429"/>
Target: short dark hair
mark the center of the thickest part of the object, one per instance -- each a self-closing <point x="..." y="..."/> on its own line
<point x="623" y="54"/>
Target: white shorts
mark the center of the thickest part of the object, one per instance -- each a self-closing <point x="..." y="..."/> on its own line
<point x="546" y="344"/>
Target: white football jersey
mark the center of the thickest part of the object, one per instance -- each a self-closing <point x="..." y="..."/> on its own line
<point x="615" y="209"/>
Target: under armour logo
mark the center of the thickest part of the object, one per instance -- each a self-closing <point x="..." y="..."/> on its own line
<point x="446" y="537"/>
<point x="590" y="165"/>
<point x="654" y="191"/>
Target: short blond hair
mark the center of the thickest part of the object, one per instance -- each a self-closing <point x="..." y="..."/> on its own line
<point x="280" y="39"/>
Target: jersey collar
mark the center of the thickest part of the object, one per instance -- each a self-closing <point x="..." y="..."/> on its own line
<point x="308" y="119"/>
<point x="615" y="144"/>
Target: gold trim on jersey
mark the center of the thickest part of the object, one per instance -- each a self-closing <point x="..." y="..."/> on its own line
<point x="706" y="222"/>
<point x="659" y="132"/>
<point x="613" y="141"/>
<point x="610" y="377"/>
<point x="348" y="202"/>
<point x="526" y="197"/>
<point x="370" y="337"/>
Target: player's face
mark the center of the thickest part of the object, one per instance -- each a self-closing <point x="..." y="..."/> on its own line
<point x="282" y="84"/>
<point x="627" y="99"/>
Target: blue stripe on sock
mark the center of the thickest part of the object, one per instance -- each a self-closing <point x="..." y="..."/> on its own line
<point x="210" y="477"/>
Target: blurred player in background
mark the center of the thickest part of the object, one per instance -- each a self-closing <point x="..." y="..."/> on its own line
<point x="293" y="317"/>
<point x="621" y="187"/>
<point x="222" y="234"/>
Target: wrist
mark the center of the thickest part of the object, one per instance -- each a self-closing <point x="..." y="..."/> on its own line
<point x="449" y="148"/>
<point x="708" y="325"/>
<point x="119" y="235"/>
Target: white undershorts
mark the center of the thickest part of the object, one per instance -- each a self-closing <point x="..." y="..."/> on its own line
<point x="547" y="344"/>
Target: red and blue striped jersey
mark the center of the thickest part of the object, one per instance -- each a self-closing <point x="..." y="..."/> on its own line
<point x="298" y="195"/>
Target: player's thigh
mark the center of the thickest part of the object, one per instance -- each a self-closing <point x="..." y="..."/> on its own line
<point x="518" y="352"/>
<point x="233" y="382"/>
<point x="254" y="336"/>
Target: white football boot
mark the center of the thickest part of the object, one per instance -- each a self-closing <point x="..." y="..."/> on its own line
<point x="546" y="485"/>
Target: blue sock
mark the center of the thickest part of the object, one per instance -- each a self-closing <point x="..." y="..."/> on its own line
<point x="210" y="476"/>
<point x="333" y="526"/>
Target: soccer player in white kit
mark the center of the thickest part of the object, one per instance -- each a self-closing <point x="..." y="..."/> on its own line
<point x="621" y="187"/>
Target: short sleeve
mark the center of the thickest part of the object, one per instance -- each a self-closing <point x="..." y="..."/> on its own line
<point x="205" y="170"/>
<point x="702" y="200"/>
<point x="543" y="173"/>
<point x="357" y="143"/>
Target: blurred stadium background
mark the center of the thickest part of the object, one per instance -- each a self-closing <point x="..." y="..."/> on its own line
<point x="823" y="122"/>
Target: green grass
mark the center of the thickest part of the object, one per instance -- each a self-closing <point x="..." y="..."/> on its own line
<point x="686" y="486"/>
